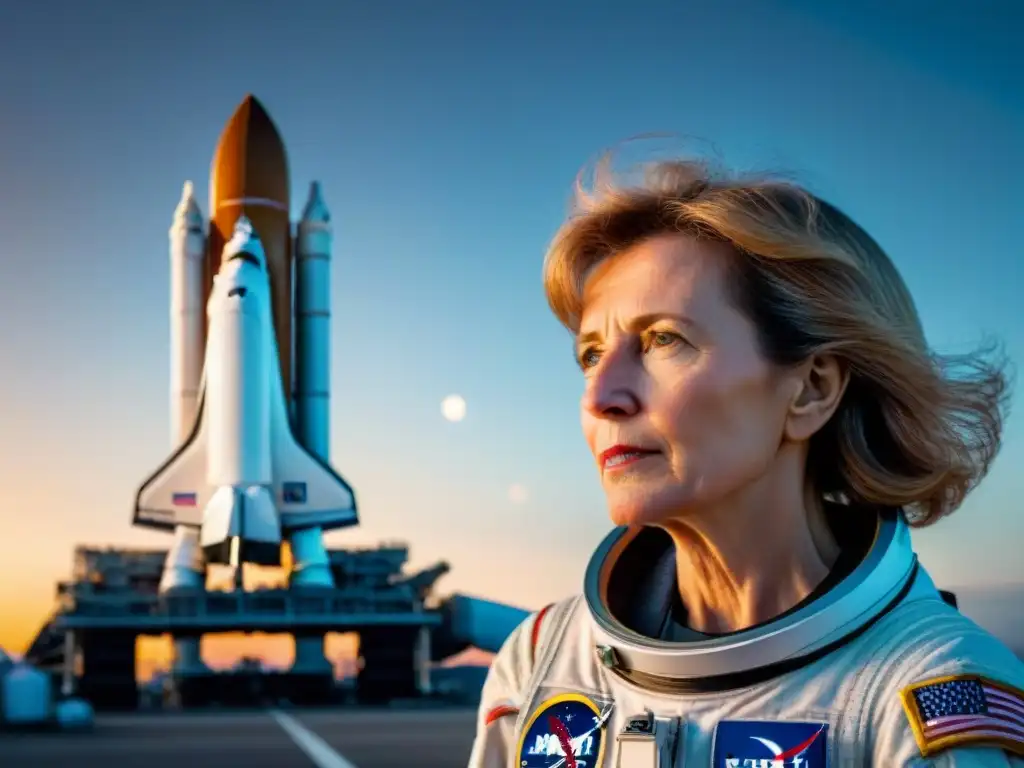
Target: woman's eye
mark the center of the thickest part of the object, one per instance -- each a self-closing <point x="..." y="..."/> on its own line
<point x="588" y="358"/>
<point x="662" y="339"/>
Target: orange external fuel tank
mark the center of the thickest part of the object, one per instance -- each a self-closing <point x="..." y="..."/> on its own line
<point x="250" y="175"/>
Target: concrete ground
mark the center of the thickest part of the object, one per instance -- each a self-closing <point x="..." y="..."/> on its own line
<point x="350" y="738"/>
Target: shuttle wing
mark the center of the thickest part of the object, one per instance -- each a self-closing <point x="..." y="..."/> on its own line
<point x="308" y="492"/>
<point x="178" y="491"/>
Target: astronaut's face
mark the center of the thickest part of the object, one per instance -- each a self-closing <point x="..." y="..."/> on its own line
<point x="680" y="409"/>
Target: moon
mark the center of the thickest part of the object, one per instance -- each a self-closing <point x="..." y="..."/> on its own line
<point x="518" y="494"/>
<point x="453" y="408"/>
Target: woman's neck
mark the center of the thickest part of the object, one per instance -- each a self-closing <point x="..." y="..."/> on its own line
<point x="753" y="557"/>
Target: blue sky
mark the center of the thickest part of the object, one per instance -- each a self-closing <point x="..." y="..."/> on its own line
<point x="446" y="136"/>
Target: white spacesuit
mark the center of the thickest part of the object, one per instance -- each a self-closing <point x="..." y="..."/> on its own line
<point x="874" y="669"/>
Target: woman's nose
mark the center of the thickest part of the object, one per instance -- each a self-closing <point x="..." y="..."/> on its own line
<point x="611" y="392"/>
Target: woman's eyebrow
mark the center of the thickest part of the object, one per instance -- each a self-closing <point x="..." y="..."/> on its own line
<point x="639" y="323"/>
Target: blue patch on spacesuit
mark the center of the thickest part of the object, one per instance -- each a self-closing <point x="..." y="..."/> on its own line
<point x="770" y="744"/>
<point x="568" y="724"/>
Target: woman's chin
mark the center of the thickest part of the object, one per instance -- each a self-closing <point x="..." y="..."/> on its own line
<point x="638" y="509"/>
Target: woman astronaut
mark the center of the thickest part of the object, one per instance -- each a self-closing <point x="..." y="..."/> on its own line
<point x="768" y="423"/>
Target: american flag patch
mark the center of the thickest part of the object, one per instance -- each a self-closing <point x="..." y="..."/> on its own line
<point x="183" y="499"/>
<point x="965" y="709"/>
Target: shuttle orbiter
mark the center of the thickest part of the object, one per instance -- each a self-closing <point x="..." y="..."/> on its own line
<point x="241" y="477"/>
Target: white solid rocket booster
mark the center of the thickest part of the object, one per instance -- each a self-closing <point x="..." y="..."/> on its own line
<point x="313" y="325"/>
<point x="184" y="567"/>
<point x="188" y="305"/>
<point x="310" y="563"/>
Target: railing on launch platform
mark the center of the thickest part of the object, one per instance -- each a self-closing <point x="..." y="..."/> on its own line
<point x="278" y="603"/>
<point x="267" y="605"/>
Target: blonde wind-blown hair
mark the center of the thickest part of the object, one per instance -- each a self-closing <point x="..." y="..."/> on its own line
<point x="914" y="429"/>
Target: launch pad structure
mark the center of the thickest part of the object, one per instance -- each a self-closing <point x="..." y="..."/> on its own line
<point x="250" y="471"/>
<point x="114" y="598"/>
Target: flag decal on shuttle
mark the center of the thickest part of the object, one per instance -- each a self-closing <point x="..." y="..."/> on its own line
<point x="293" y="493"/>
<point x="183" y="499"/>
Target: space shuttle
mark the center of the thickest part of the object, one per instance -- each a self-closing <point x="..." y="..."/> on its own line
<point x="241" y="477"/>
<point x="249" y="467"/>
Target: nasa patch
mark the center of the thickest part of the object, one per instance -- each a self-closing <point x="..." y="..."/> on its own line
<point x="565" y="731"/>
<point x="770" y="744"/>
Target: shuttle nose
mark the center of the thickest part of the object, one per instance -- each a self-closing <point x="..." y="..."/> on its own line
<point x="245" y="244"/>
<point x="243" y="228"/>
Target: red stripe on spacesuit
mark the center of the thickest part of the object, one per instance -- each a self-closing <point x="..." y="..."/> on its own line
<point x="535" y="633"/>
<point x="499" y="712"/>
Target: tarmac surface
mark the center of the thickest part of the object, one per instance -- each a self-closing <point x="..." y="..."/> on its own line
<point x="337" y="738"/>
